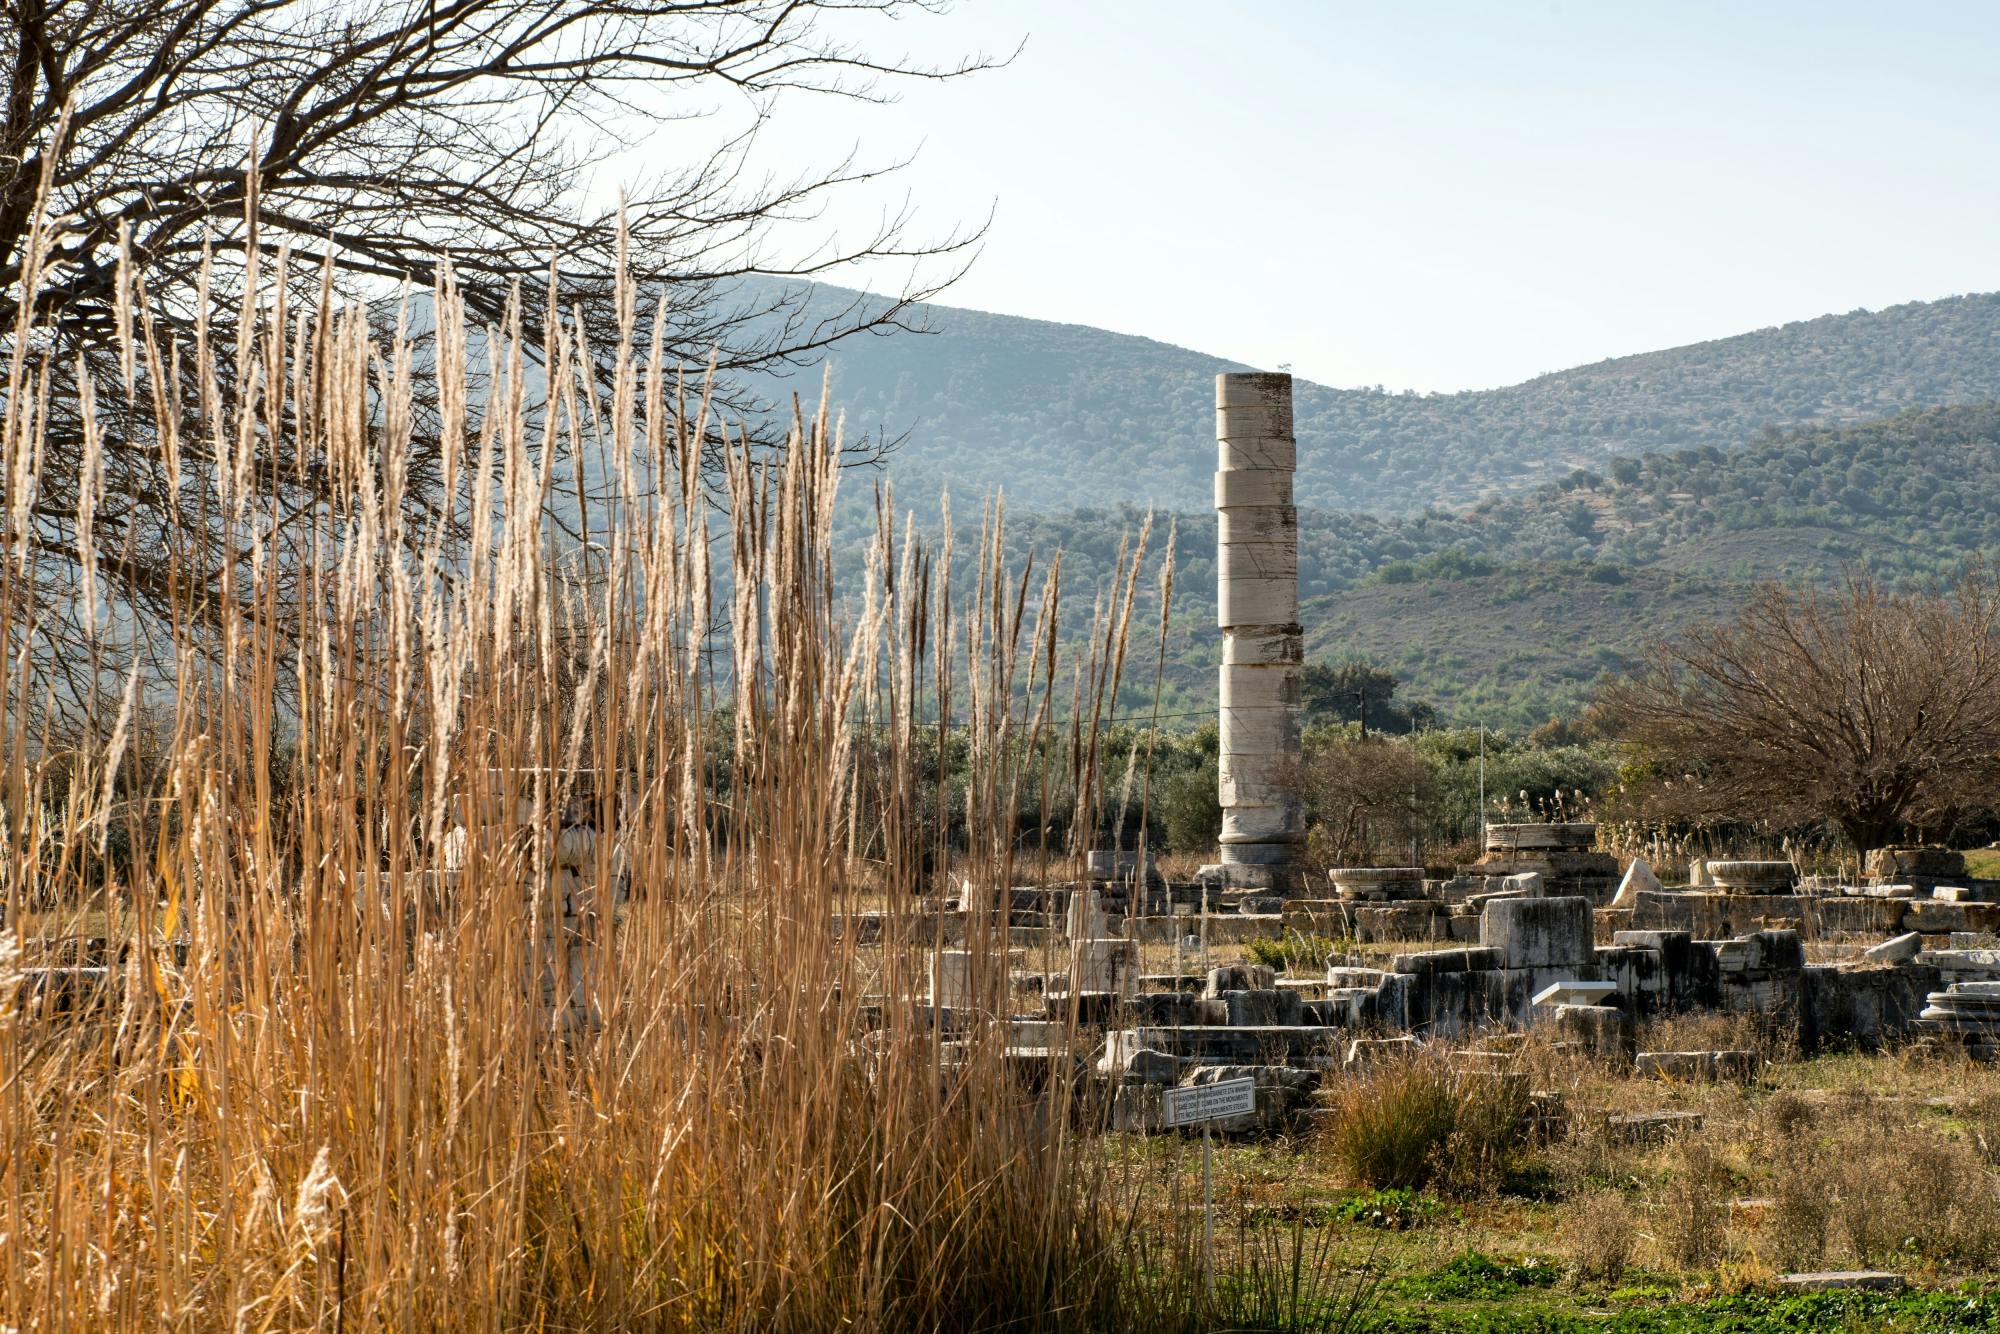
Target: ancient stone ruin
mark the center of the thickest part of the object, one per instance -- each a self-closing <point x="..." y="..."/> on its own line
<point x="1544" y="929"/>
<point x="1563" y="855"/>
<point x="1893" y="966"/>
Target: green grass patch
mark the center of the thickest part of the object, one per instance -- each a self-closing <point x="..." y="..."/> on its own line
<point x="1397" y="1209"/>
<point x="1296" y="951"/>
<point x="1505" y="1299"/>
<point x="1983" y="863"/>
<point x="1476" y="1276"/>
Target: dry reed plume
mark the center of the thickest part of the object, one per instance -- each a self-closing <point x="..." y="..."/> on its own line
<point x="330" y="1085"/>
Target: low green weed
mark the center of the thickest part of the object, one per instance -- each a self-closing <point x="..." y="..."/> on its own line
<point x="1396" y="1209"/>
<point x="1297" y="952"/>
<point x="1476" y="1276"/>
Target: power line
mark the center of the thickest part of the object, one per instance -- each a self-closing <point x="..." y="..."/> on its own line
<point x="1148" y="717"/>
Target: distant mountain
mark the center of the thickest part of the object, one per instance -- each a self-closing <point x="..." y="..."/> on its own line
<point x="1509" y="611"/>
<point x="1912" y="495"/>
<point x="1062" y="415"/>
<point x="1516" y="608"/>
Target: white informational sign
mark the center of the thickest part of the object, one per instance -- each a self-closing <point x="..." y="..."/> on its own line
<point x="1210" y="1102"/>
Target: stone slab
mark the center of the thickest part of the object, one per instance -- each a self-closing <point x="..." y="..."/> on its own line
<point x="1871" y="1280"/>
<point x="1698" y="1066"/>
<point x="1231" y="1045"/>
<point x="1425" y="962"/>
<point x="1576" y="993"/>
<point x="1540" y="933"/>
<point x="1414" y="920"/>
<point x="1899" y="949"/>
<point x="1961" y="961"/>
<point x="1602" y="1030"/>
<point x="1651" y="1127"/>
<point x="1935" y="918"/>
<point x="1638" y="878"/>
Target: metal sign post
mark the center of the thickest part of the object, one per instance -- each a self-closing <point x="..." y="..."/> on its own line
<point x="1207" y="1213"/>
<point x="1204" y="926"/>
<point x="1207" y="1104"/>
<point x="1482" y="789"/>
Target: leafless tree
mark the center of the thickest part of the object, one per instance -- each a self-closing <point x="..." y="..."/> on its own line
<point x="366" y="145"/>
<point x="1363" y="796"/>
<point x="1873" y="710"/>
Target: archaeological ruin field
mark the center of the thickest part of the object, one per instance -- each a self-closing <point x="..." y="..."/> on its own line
<point x="555" y="897"/>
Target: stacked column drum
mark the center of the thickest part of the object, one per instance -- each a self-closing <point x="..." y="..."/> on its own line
<point x="1257" y="606"/>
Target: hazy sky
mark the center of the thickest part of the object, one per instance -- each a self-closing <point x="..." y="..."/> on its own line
<point x="1449" y="195"/>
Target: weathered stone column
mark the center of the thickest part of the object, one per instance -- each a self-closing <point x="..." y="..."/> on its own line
<point x="1257" y="605"/>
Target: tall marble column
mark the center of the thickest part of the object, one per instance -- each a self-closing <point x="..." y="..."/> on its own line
<point x="1257" y="605"/>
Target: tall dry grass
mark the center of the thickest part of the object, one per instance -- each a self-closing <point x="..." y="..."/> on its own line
<point x="1419" y="1123"/>
<point x="381" y="1046"/>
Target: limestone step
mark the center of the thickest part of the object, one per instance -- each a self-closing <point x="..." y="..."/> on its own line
<point x="1232" y="1044"/>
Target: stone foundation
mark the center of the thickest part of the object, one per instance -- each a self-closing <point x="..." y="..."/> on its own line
<point x="1563" y="855"/>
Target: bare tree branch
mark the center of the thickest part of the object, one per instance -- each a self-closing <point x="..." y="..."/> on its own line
<point x="1875" y="711"/>
<point x="358" y="149"/>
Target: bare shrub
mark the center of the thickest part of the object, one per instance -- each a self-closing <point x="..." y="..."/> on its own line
<point x="1786" y="1116"/>
<point x="1984" y="1114"/>
<point x="1691" y="1217"/>
<point x="1361" y="797"/>
<point x="1802" y="1205"/>
<point x="1869" y="1202"/>
<point x="1971" y="1230"/>
<point x="1949" y="1196"/>
<point x="1933" y="1172"/>
<point x="1603" y="1232"/>
<point x="1588" y="1158"/>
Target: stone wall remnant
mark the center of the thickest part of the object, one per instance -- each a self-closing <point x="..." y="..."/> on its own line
<point x="1377" y="883"/>
<point x="1563" y="854"/>
<point x="1763" y="876"/>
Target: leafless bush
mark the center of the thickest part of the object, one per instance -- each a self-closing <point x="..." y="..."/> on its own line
<point x="1869" y="1203"/>
<point x="1984" y="1114"/>
<point x="1362" y="798"/>
<point x="1690" y="1219"/>
<point x="1933" y="1172"/>
<point x="1603" y="1233"/>
<point x="1971" y="1231"/>
<point x="1950" y="1200"/>
<point x="1802" y="1204"/>
<point x="1786" y="1117"/>
<point x="1588" y="1158"/>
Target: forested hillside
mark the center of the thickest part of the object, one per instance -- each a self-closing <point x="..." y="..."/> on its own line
<point x="1911" y="495"/>
<point x="1509" y="611"/>
<point x="1063" y="416"/>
